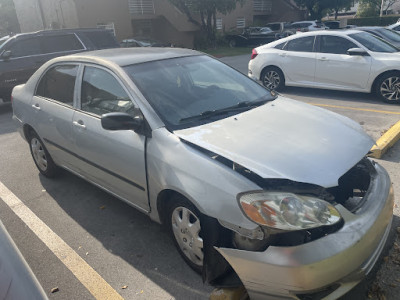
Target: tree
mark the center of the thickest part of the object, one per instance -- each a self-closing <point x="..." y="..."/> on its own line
<point x="207" y="11"/>
<point x="370" y="8"/>
<point x="8" y="18"/>
<point x="319" y="8"/>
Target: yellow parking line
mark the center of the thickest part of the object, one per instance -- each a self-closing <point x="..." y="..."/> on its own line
<point x="95" y="284"/>
<point x="355" y="108"/>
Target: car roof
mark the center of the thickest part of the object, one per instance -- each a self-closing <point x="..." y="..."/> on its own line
<point x="129" y="56"/>
<point x="58" y="31"/>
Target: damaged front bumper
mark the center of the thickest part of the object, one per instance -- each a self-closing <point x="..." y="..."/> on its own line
<point x="329" y="266"/>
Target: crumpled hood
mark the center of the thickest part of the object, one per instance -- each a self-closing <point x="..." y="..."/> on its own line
<point x="286" y="139"/>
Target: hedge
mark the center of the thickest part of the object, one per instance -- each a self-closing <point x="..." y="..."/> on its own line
<point x="373" y="21"/>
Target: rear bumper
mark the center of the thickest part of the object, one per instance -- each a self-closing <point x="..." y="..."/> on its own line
<point x="342" y="258"/>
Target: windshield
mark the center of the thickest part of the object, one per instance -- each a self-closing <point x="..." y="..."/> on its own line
<point x="194" y="90"/>
<point x="389" y="34"/>
<point x="373" y="42"/>
<point x="3" y="40"/>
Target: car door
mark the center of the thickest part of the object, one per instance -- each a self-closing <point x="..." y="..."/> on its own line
<point x="115" y="160"/>
<point x="336" y="69"/>
<point x="23" y="61"/>
<point x="52" y="107"/>
<point x="298" y="61"/>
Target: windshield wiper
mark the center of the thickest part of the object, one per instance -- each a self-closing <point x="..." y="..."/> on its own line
<point x="246" y="105"/>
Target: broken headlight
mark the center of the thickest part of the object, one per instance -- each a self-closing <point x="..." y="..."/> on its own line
<point x="287" y="211"/>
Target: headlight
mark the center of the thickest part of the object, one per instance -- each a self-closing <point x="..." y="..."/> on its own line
<point x="287" y="211"/>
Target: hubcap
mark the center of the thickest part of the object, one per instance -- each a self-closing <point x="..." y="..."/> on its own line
<point x="271" y="80"/>
<point x="390" y="88"/>
<point x="186" y="228"/>
<point x="38" y="154"/>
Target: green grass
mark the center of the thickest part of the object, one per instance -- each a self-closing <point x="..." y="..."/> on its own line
<point x="227" y="51"/>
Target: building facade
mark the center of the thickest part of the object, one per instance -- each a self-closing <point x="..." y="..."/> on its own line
<point x="151" y="18"/>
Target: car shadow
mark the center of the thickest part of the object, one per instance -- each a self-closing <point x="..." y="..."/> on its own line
<point x="5" y="115"/>
<point x="295" y="92"/>
<point x="127" y="233"/>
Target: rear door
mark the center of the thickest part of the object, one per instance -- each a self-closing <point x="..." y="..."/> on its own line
<point x="298" y="59"/>
<point x="52" y="106"/>
<point x="336" y="69"/>
<point x="113" y="159"/>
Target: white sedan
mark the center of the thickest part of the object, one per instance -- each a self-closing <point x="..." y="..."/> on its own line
<point x="347" y="60"/>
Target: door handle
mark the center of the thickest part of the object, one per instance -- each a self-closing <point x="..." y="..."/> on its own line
<point x="323" y="59"/>
<point x="79" y="124"/>
<point x="283" y="54"/>
<point x="36" y="106"/>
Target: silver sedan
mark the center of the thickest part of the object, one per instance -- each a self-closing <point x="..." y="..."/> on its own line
<point x="254" y="188"/>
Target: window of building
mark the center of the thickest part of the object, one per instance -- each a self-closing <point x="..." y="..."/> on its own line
<point x="240" y="22"/>
<point x="262" y="5"/>
<point x="58" y="84"/>
<point x="102" y="93"/>
<point x="219" y="24"/>
<point x="141" y="7"/>
<point x="109" y="26"/>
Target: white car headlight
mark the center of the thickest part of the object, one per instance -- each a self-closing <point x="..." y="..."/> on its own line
<point x="287" y="211"/>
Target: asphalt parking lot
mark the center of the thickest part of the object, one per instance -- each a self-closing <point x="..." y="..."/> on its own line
<point x="131" y="255"/>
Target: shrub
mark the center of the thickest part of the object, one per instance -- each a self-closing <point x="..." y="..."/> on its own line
<point x="373" y="21"/>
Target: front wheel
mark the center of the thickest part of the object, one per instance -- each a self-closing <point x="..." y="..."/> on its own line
<point x="272" y="78"/>
<point x="41" y="156"/>
<point x="184" y="225"/>
<point x="388" y="88"/>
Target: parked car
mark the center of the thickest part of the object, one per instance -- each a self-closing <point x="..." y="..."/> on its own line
<point x="395" y="26"/>
<point x="143" y="42"/>
<point x="250" y="185"/>
<point x="387" y="34"/>
<point x="251" y="36"/>
<point x="332" y="24"/>
<point x="350" y="60"/>
<point x="305" y="26"/>
<point x="281" y="29"/>
<point x="22" y="54"/>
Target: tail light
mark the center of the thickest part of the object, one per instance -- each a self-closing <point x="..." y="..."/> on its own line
<point x="254" y="54"/>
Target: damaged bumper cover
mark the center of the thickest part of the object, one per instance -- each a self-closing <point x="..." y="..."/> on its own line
<point x="339" y="260"/>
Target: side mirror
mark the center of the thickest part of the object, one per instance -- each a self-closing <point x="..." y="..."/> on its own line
<point x="121" y="121"/>
<point x="357" y="52"/>
<point x="6" y="55"/>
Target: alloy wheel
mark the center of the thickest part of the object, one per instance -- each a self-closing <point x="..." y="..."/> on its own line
<point x="186" y="228"/>
<point x="271" y="79"/>
<point x="390" y="88"/>
<point x="39" y="154"/>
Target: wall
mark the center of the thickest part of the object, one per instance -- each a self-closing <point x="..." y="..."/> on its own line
<point x="93" y="12"/>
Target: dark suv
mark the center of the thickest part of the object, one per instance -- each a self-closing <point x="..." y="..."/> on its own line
<point x="21" y="55"/>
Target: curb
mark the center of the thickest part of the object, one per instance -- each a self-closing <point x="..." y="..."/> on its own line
<point x="387" y="140"/>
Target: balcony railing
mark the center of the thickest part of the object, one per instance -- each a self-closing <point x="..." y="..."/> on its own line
<point x="262" y="5"/>
<point x="141" y="7"/>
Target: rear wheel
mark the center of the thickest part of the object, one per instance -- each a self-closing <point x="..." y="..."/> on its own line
<point x="232" y="43"/>
<point x="272" y="78"/>
<point x="41" y="156"/>
<point x="184" y="225"/>
<point x="388" y="87"/>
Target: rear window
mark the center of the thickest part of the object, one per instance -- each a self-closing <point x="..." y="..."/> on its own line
<point x="101" y="39"/>
<point x="61" y="43"/>
<point x="58" y="84"/>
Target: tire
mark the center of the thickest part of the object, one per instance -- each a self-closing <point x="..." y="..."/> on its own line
<point x="232" y="43"/>
<point x="272" y="78"/>
<point x="388" y="87"/>
<point x="41" y="156"/>
<point x="184" y="226"/>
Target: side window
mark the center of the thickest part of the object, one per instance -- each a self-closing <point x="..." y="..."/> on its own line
<point x="280" y="46"/>
<point x="60" y="43"/>
<point x="25" y="47"/>
<point x="305" y="44"/>
<point x="58" y="84"/>
<point x="335" y="44"/>
<point x="101" y="93"/>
